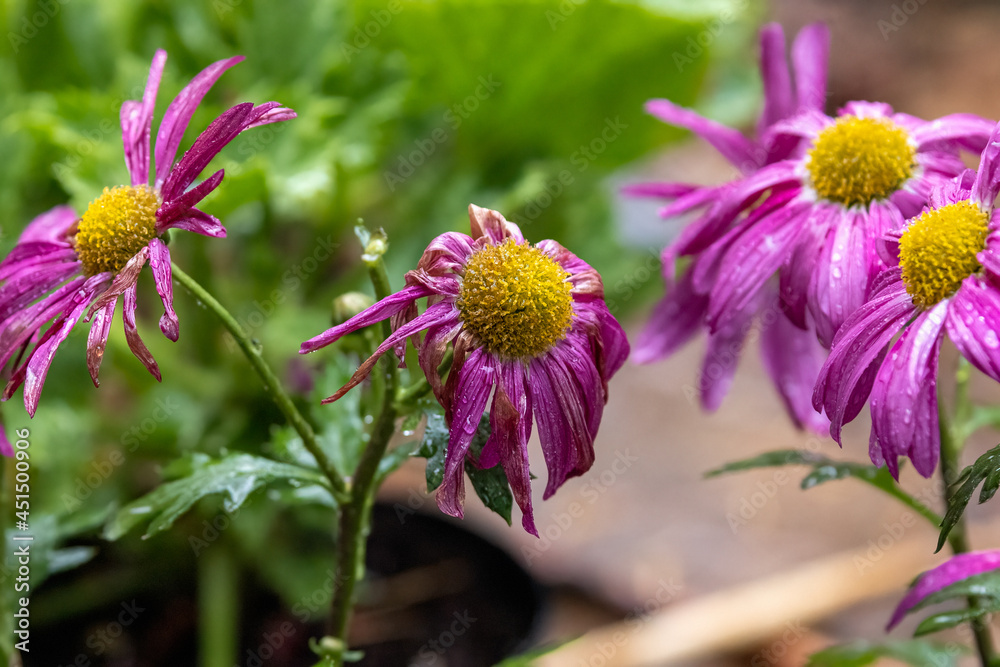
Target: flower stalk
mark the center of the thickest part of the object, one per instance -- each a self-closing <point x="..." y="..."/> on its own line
<point x="272" y="384"/>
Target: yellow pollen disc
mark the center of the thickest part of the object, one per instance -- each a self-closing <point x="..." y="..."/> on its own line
<point x="857" y="160"/>
<point x="515" y="299"/>
<point x="938" y="251"/>
<point x="116" y="226"/>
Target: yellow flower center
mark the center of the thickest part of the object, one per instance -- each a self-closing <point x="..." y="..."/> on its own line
<point x="116" y="226"/>
<point x="938" y="251"/>
<point x="857" y="160"/>
<point x="515" y="299"/>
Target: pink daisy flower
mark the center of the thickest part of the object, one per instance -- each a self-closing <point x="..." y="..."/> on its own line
<point x="791" y="354"/>
<point x="529" y="325"/>
<point x="943" y="276"/>
<point x="64" y="263"/>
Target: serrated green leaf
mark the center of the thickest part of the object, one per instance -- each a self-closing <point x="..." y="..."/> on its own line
<point x="861" y="653"/>
<point x="234" y="477"/>
<point x="433" y="447"/>
<point x="490" y="484"/>
<point x="985" y="471"/>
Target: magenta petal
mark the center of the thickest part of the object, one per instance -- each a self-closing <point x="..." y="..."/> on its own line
<point x="377" y="312"/>
<point x="660" y="190"/>
<point x="987" y="183"/>
<point x="5" y="447"/>
<point x="989" y="257"/>
<point x="446" y="253"/>
<point x="97" y="338"/>
<point x="778" y="103"/>
<point x="198" y="222"/>
<point x="137" y="119"/>
<point x="840" y="282"/>
<point x="510" y="424"/>
<point x="810" y="55"/>
<point x="17" y="329"/>
<point x="973" y="323"/>
<point x="434" y="316"/>
<point x="38" y="364"/>
<point x="24" y="257"/>
<point x="953" y="570"/>
<point x="797" y="272"/>
<point x="753" y="257"/>
<point x="491" y="224"/>
<point x="179" y="113"/>
<point x="903" y="401"/>
<point x="730" y="143"/>
<point x="562" y="415"/>
<point x="475" y="382"/>
<point x="792" y="358"/>
<point x="722" y="355"/>
<point x="946" y="133"/>
<point x="20" y="290"/>
<point x="845" y="380"/>
<point x="132" y="333"/>
<point x="674" y="321"/>
<point x="49" y="227"/>
<point x="216" y="136"/>
<point x="159" y="262"/>
<point x="614" y="342"/>
<point x="179" y="207"/>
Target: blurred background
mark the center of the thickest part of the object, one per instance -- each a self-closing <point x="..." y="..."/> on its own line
<point x="408" y="111"/>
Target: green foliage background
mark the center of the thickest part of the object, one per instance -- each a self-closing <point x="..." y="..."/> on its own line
<point x="376" y="86"/>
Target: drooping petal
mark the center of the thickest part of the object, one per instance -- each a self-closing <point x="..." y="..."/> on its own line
<point x="725" y="343"/>
<point x="792" y="358"/>
<point x="37" y="366"/>
<point x="435" y="315"/>
<point x="377" y="312"/>
<point x="124" y="280"/>
<point x="973" y="323"/>
<point x="135" y="343"/>
<point x="614" y="343"/>
<point x="446" y="253"/>
<point x="97" y="338"/>
<point x="510" y="424"/>
<point x="472" y="390"/>
<point x="17" y="329"/>
<point x="659" y="189"/>
<point x="20" y="290"/>
<point x="845" y="380"/>
<point x="431" y="353"/>
<point x="810" y="55"/>
<point x="962" y="130"/>
<point x="955" y="569"/>
<point x="903" y="400"/>
<point x="179" y="113"/>
<point x="159" y="262"/>
<point x="753" y="257"/>
<point x="730" y="143"/>
<point x="137" y="119"/>
<point x="840" y="282"/>
<point x="5" y="447"/>
<point x="675" y="320"/>
<point x="796" y="273"/>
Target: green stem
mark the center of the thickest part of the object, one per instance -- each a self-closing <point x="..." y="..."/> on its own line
<point x="933" y="517"/>
<point x="951" y="450"/>
<point x="355" y="515"/>
<point x="271" y="382"/>
<point x="218" y="605"/>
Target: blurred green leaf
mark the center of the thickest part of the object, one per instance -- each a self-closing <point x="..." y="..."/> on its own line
<point x="235" y="477"/>
<point x="916" y="653"/>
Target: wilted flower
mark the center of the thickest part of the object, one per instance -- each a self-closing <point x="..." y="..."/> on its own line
<point x="792" y="356"/>
<point x="529" y="325"/>
<point x="944" y="276"/>
<point x="78" y="262"/>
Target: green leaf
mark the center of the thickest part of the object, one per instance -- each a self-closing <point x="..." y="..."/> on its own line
<point x="949" y="619"/>
<point x="914" y="652"/>
<point x="235" y="477"/>
<point x="528" y="659"/>
<point x="490" y="484"/>
<point x="392" y="459"/>
<point x="782" y="457"/>
<point x="824" y="469"/>
<point x="986" y="470"/>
